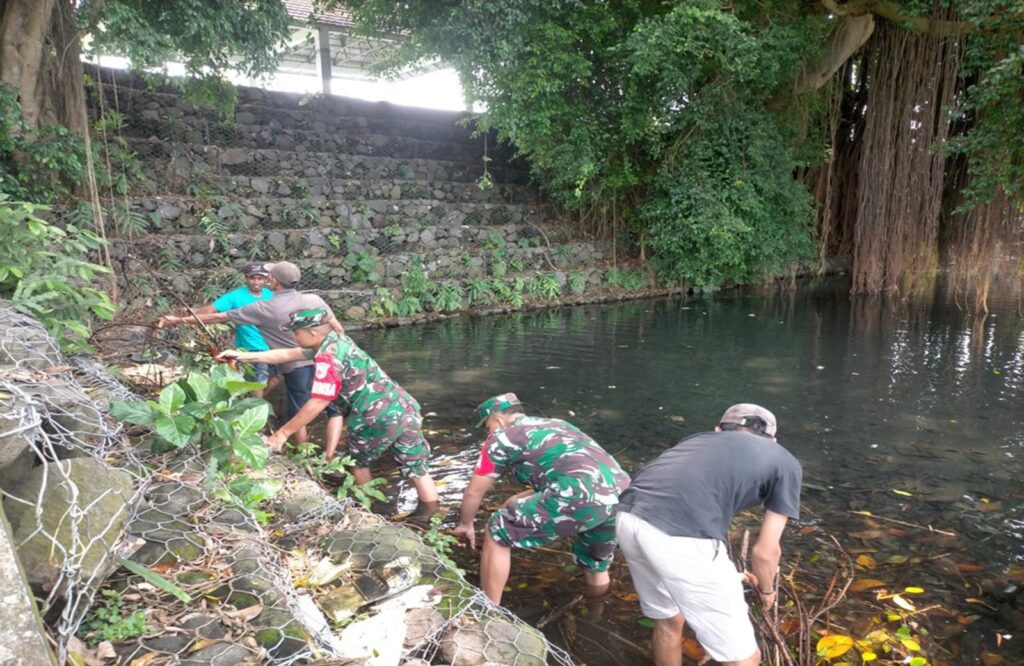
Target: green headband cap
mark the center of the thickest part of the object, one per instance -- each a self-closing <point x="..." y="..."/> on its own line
<point x="493" y="405"/>
<point x="308" y="318"/>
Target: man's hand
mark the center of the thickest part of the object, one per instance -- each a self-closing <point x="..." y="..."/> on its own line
<point x="275" y="441"/>
<point x="231" y="355"/>
<point x="767" y="600"/>
<point x="466" y="533"/>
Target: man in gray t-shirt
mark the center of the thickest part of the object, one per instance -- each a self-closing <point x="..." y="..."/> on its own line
<point x="273" y="318"/>
<point x="674" y="519"/>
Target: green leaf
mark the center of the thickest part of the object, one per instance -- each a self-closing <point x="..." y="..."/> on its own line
<point x="223" y="430"/>
<point x="252" y="421"/>
<point x="238" y="386"/>
<point x="155" y="579"/>
<point x="132" y="411"/>
<point x="176" y="430"/>
<point x="171" y="398"/>
<point x="200" y="386"/>
<point x="252" y="450"/>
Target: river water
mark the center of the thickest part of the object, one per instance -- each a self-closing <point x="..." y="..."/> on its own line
<point x="912" y="411"/>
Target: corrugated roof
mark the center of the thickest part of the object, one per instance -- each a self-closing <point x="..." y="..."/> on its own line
<point x="300" y="10"/>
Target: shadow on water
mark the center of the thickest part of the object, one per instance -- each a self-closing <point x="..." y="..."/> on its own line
<point x="911" y="411"/>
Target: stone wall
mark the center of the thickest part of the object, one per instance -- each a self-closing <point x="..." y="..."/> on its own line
<point x="354" y="192"/>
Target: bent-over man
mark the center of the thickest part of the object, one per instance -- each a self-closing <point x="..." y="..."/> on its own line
<point x="672" y="526"/>
<point x="380" y="415"/>
<point x="575" y="486"/>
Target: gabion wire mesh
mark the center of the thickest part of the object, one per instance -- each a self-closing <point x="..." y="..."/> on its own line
<point x="80" y="494"/>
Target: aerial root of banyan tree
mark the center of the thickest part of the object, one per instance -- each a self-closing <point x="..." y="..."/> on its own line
<point x="911" y="80"/>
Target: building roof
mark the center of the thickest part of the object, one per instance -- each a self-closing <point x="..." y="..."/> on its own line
<point x="302" y="10"/>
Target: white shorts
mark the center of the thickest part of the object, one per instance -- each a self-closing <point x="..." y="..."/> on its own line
<point x="695" y="577"/>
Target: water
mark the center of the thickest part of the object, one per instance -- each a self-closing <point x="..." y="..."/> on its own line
<point x="911" y="411"/>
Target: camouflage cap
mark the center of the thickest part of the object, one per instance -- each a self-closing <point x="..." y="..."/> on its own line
<point x="739" y="413"/>
<point x="494" y="405"/>
<point x="308" y="318"/>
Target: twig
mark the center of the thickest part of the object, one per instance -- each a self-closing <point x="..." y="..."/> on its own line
<point x="556" y="613"/>
<point x="868" y="514"/>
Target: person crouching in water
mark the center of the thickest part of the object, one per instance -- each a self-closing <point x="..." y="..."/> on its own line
<point x="575" y="486"/>
<point x="380" y="416"/>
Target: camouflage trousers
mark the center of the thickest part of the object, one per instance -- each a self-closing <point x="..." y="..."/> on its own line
<point x="395" y="426"/>
<point x="548" y="515"/>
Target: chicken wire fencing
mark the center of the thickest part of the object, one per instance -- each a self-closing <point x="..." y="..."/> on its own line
<point x="136" y="557"/>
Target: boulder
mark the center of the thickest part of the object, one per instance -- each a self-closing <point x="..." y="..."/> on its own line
<point x="22" y="639"/>
<point x="233" y="156"/>
<point x="55" y="489"/>
<point x="494" y="640"/>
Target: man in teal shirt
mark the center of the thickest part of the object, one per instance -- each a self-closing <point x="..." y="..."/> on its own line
<point x="248" y="337"/>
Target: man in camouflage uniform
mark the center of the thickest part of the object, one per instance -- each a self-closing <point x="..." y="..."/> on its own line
<point x="380" y="416"/>
<point x="575" y="486"/>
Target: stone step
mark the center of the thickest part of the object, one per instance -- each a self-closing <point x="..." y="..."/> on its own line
<point x="216" y="215"/>
<point x="357" y="141"/>
<point x="200" y="278"/>
<point x="334" y="244"/>
<point x="296" y="111"/>
<point x="175" y="167"/>
<point x="348" y="189"/>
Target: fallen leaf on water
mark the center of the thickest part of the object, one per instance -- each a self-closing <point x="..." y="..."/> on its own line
<point x="834" y="645"/>
<point x="975" y="600"/>
<point x="991" y="659"/>
<point x="967" y="567"/>
<point x="904" y="493"/>
<point x="804" y="531"/>
<point x="968" y="619"/>
<point x="985" y="506"/>
<point x="866" y="561"/>
<point x="868" y="656"/>
<point x="910" y="644"/>
<point x="692" y="649"/>
<point x="862" y="584"/>
<point x="201" y="643"/>
<point x="903" y="603"/>
<point x="866" y="534"/>
<point x="897" y="559"/>
<point x="144" y="659"/>
<point x="789" y="625"/>
<point x="914" y="590"/>
<point x="646" y="622"/>
<point x="630" y="596"/>
<point x="896" y="532"/>
<point x="162" y="567"/>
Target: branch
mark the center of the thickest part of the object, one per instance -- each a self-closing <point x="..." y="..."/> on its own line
<point x="891" y="11"/>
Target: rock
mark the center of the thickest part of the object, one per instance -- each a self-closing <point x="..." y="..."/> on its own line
<point x="355" y="313"/>
<point x="25" y="343"/>
<point x="378" y="545"/>
<point x="68" y="409"/>
<point x="168" y="211"/>
<point x="494" y="640"/>
<point x="421" y="624"/>
<point x="218" y="654"/>
<point x="278" y="242"/>
<point x="233" y="156"/>
<point x="261" y="185"/>
<point x="245" y="118"/>
<point x="16" y="409"/>
<point x="47" y="541"/>
<point x="205" y="626"/>
<point x="22" y="639"/>
<point x="176" y="499"/>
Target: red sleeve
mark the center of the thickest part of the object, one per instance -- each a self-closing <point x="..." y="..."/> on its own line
<point x="326" y="383"/>
<point x="484" y="466"/>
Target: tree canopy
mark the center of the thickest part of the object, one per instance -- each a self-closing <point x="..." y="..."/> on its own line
<point x="715" y="135"/>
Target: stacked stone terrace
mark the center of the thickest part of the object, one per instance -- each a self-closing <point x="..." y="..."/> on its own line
<point x="354" y="192"/>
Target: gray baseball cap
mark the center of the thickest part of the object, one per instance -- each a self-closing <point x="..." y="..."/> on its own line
<point x="286" y="273"/>
<point x="738" y="413"/>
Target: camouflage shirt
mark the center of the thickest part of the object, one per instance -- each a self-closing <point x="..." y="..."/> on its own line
<point x="550" y="454"/>
<point x="348" y="375"/>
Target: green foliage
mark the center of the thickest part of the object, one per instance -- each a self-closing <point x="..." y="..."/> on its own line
<point x="641" y="113"/>
<point x="479" y="291"/>
<point x="442" y="543"/>
<point x="209" y="38"/>
<point x="108" y="621"/>
<point x="385" y="305"/>
<point x="623" y="279"/>
<point x="309" y="456"/>
<point x="207" y="410"/>
<point x="155" y="579"/>
<point x="393" y="230"/>
<point x="249" y="493"/>
<point x="45" y="272"/>
<point x="577" y="282"/>
<point x="543" y="287"/>
<point x="414" y="281"/>
<point x="364" y="266"/>
<point x="409" y="305"/>
<point x="448" y="298"/>
<point x="35" y="165"/>
<point x="128" y="220"/>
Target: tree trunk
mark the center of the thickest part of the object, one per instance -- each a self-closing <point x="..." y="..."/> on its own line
<point x="24" y="27"/>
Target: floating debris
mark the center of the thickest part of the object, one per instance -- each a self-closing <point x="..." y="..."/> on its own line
<point x="380" y="582"/>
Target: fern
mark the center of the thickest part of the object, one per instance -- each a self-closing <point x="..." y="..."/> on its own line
<point x="130" y="221"/>
<point x="479" y="291"/>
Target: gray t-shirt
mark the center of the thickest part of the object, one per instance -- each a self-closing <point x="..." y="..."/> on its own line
<point x="696" y="487"/>
<point x="273" y="318"/>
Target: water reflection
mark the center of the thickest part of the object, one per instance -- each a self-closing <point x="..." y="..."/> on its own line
<point x="874" y="395"/>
